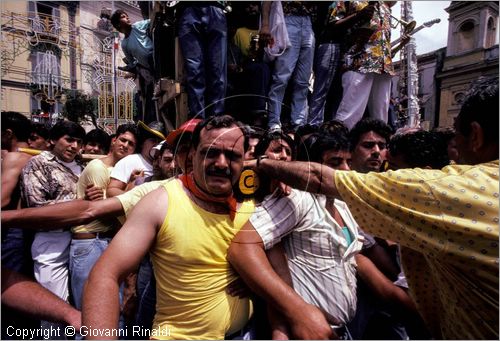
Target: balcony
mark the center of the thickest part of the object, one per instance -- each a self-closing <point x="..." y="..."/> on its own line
<point x="33" y="28"/>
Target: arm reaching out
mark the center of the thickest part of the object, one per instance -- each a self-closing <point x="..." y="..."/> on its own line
<point x="70" y="213"/>
<point x="307" y="176"/>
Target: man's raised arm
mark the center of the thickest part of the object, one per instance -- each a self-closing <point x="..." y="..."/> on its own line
<point x="246" y="254"/>
<point x="101" y="306"/>
<point x="306" y="176"/>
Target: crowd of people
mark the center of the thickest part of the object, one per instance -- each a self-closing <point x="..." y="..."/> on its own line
<point x="256" y="60"/>
<point x="341" y="228"/>
<point x="404" y="246"/>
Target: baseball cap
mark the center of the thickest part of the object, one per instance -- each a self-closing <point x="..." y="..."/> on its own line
<point x="186" y="127"/>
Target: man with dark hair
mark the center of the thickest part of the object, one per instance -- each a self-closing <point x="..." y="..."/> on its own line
<point x="15" y="246"/>
<point x="16" y="129"/>
<point x="369" y="138"/>
<point x="446" y="221"/>
<point x="191" y="274"/>
<point x="90" y="240"/>
<point x="166" y="162"/>
<point x="48" y="178"/>
<point x="15" y="133"/>
<point x="96" y="141"/>
<point x="138" y="49"/>
<point x="315" y="233"/>
<point x="39" y="137"/>
<point x="334" y="151"/>
<point x="133" y="169"/>
<point x="419" y="149"/>
<point x="447" y="134"/>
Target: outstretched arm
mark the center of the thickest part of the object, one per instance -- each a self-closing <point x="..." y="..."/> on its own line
<point x="101" y="307"/>
<point x="70" y="213"/>
<point x="248" y="257"/>
<point x="307" y="176"/>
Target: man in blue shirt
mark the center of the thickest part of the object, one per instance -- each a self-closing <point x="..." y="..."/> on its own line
<point x="138" y="49"/>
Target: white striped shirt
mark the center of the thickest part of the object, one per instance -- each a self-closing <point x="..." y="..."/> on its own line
<point x="321" y="262"/>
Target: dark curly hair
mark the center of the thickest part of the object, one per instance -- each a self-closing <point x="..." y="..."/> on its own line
<point x="366" y="125"/>
<point x="216" y="122"/>
<point x="115" y="18"/>
<point x="266" y="139"/>
<point x="421" y="149"/>
<point x="480" y="105"/>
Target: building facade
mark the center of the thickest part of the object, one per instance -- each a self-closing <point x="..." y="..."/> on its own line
<point x="471" y="52"/>
<point x="53" y="49"/>
<point x="447" y="73"/>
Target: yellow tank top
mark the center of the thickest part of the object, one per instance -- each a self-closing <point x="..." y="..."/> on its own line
<point x="192" y="273"/>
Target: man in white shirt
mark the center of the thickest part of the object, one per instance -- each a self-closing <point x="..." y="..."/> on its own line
<point x="320" y="239"/>
<point x="133" y="169"/>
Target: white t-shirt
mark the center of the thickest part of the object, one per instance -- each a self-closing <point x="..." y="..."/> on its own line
<point x="128" y="164"/>
<point x="74" y="166"/>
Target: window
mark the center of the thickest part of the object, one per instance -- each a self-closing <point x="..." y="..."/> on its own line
<point x="47" y="69"/>
<point x="491" y="36"/>
<point x="466" y="34"/>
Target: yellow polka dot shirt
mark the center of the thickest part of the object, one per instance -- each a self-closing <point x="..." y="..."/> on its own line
<point x="446" y="222"/>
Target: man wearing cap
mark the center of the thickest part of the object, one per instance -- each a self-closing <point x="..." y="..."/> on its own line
<point x="133" y="169"/>
<point x="180" y="140"/>
<point x="187" y="225"/>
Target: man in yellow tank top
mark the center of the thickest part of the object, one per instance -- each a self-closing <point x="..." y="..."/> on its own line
<point x="187" y="225"/>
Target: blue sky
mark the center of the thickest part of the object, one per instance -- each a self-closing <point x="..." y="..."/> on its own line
<point x="432" y="38"/>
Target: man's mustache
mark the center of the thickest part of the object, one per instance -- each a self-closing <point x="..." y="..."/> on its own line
<point x="219" y="172"/>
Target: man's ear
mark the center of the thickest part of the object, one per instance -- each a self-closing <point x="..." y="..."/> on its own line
<point x="8" y="133"/>
<point x="191" y="153"/>
<point x="476" y="137"/>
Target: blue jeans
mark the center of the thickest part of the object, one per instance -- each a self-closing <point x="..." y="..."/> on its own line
<point x="326" y="62"/>
<point x="296" y="63"/>
<point x="203" y="42"/>
<point x="13" y="250"/>
<point x="83" y="254"/>
<point x="146" y="292"/>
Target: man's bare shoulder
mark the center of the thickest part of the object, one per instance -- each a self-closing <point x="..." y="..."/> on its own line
<point x="15" y="160"/>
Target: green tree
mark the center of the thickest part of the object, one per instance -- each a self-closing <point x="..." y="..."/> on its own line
<point x="80" y="107"/>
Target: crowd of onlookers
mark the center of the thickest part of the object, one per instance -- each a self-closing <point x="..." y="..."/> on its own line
<point x="320" y="228"/>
